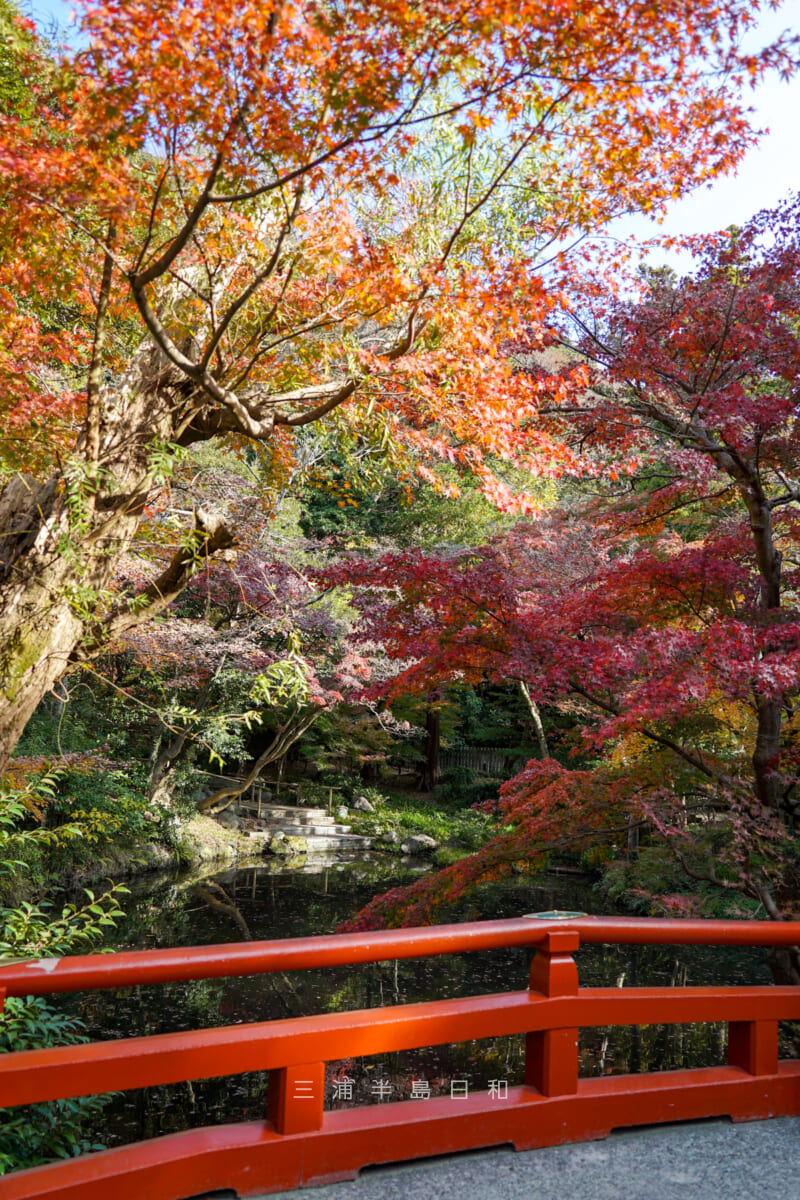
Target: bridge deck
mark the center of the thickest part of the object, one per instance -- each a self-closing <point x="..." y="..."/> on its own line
<point x="703" y="1160"/>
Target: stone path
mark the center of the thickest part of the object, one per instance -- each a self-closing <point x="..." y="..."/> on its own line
<point x="696" y="1160"/>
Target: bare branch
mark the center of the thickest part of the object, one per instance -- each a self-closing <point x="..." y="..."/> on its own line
<point x="210" y="535"/>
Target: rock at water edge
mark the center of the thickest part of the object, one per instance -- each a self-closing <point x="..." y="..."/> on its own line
<point x="287" y="847"/>
<point x="419" y="843"/>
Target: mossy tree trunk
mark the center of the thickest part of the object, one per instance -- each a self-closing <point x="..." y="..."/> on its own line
<point x="61" y="540"/>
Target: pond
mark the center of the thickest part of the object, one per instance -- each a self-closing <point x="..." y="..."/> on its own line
<point x="272" y="901"/>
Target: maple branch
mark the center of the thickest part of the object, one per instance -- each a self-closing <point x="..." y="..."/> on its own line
<point x="346" y="389"/>
<point x="788" y="498"/>
<point x="720" y="345"/>
<point x="257" y="428"/>
<point x="491" y="188"/>
<point x="563" y="252"/>
<point x="708" y="877"/>
<point x="403" y="119"/>
<point x="286" y="736"/>
<point x="339" y="393"/>
<point x="128" y="697"/>
<point x="282" y="180"/>
<point x="688" y="756"/>
<point x="148" y="237"/>
<point x="181" y="239"/>
<point x="731" y="462"/>
<point x="209" y="535"/>
<point x="536" y="717"/>
<point x="71" y="219"/>
<point x="264" y="325"/>
<point x="260" y="278"/>
<point x="406" y="342"/>
<point x="657" y="516"/>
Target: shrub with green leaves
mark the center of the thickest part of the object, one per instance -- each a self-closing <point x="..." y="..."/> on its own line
<point x="38" y="1133"/>
<point x="33" y="930"/>
<point x="108" y="808"/>
<point x="35" y="1134"/>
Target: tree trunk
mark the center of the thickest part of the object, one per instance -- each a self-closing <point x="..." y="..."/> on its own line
<point x="163" y="758"/>
<point x="54" y="572"/>
<point x="768" y="709"/>
<point x="632" y="850"/>
<point x="286" y="736"/>
<point x="767" y="749"/>
<point x="536" y="718"/>
<point x="61" y="541"/>
<point x="429" y="776"/>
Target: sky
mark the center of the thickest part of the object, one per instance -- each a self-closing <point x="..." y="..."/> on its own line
<point x="767" y="173"/>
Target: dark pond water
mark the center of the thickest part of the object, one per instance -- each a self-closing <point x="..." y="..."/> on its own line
<point x="264" y="902"/>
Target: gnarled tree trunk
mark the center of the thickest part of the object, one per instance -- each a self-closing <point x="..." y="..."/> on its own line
<point x="287" y="735"/>
<point x="62" y="538"/>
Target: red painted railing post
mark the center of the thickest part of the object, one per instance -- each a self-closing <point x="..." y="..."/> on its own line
<point x="2" y="999"/>
<point x="551" y="1055"/>
<point x="296" y="1098"/>
<point x="753" y="1046"/>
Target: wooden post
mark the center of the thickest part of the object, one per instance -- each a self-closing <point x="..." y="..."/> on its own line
<point x="259" y="803"/>
<point x="753" y="1046"/>
<point x="551" y="1055"/>
<point x="330" y="801"/>
<point x="296" y="1098"/>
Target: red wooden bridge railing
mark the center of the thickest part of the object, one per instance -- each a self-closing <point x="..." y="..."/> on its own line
<point x="298" y="1142"/>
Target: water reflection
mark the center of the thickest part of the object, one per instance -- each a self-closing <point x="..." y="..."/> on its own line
<point x="264" y="903"/>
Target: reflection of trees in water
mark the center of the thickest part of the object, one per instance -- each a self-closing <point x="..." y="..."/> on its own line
<point x="217" y="898"/>
<point x="620" y="1049"/>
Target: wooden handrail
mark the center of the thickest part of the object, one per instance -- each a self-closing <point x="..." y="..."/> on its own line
<point x="299" y="1142"/>
<point x="40" y="977"/>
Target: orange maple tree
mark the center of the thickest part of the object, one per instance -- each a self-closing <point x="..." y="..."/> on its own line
<point x="229" y="219"/>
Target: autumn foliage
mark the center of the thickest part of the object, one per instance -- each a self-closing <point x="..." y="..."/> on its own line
<point x="232" y="221"/>
<point x="228" y="220"/>
<point x="657" y="605"/>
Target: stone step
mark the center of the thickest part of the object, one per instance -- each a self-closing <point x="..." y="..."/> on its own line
<point x="297" y="822"/>
<point x="304" y="830"/>
<point x="274" y="811"/>
<point x="340" y="841"/>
